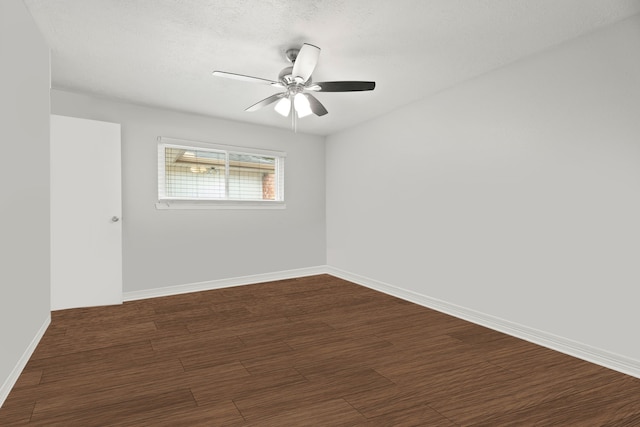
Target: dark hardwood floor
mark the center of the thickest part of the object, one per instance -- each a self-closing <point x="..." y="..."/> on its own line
<point x="316" y="351"/>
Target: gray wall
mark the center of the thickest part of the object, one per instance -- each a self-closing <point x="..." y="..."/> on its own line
<point x="174" y="247"/>
<point x="24" y="204"/>
<point x="516" y="194"/>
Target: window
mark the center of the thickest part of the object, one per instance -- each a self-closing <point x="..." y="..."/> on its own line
<point x="196" y="175"/>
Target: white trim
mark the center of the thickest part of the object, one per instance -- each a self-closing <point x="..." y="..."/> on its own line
<point x="162" y="177"/>
<point x="227" y="174"/>
<point x="218" y="204"/>
<point x="280" y="178"/>
<point x="586" y="352"/>
<point x="22" y="362"/>
<point x="224" y="283"/>
<point x="185" y="143"/>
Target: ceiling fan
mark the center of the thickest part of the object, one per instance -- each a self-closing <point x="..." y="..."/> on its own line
<point x="296" y="81"/>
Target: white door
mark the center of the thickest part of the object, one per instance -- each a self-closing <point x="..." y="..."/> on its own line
<point x="86" y="206"/>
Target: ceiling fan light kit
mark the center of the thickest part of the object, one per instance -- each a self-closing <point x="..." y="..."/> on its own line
<point x="296" y="100"/>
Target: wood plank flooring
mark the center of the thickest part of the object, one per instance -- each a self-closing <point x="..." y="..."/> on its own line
<point x="315" y="351"/>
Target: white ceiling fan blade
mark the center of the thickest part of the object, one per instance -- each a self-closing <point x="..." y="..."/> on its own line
<point x="270" y="100"/>
<point x="244" y="78"/>
<point x="306" y="62"/>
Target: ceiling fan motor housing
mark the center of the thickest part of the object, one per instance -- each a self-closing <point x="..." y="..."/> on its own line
<point x="287" y="79"/>
<point x="285" y="75"/>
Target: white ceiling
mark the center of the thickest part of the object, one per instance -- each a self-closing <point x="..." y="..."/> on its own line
<point x="162" y="52"/>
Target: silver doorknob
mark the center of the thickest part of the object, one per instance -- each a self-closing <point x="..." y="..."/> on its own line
<point x="115" y="219"/>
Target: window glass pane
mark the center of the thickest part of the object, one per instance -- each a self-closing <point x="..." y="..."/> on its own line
<point x="252" y="177"/>
<point x="199" y="173"/>
<point x="194" y="174"/>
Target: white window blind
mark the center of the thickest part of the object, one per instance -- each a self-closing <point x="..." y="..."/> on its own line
<point x="201" y="172"/>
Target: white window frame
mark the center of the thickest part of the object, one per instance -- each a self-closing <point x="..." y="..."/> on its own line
<point x="165" y="202"/>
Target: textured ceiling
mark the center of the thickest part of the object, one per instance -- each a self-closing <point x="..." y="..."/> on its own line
<point x="162" y="52"/>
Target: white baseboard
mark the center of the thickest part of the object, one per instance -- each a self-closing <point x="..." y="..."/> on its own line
<point x="564" y="345"/>
<point x="22" y="362"/>
<point x="223" y="283"/>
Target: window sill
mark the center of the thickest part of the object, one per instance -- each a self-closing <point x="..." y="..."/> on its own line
<point x="217" y="204"/>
